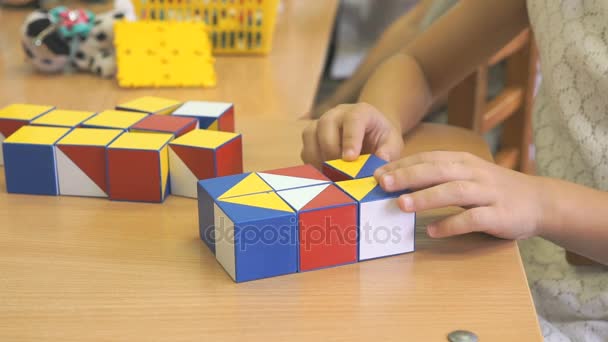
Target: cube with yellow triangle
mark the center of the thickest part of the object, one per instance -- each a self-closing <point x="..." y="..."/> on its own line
<point x="30" y="160"/>
<point x="63" y="118"/>
<point x="217" y="116"/>
<point x="214" y="189"/>
<point x="384" y="229"/>
<point x="202" y="154"/>
<point x="114" y="119"/>
<point x="255" y="236"/>
<point x="82" y="161"/>
<point x="138" y="167"/>
<point x="15" y="116"/>
<point x="341" y="170"/>
<point x="150" y="105"/>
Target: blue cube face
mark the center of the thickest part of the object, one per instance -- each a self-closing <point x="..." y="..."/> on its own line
<point x="30" y="169"/>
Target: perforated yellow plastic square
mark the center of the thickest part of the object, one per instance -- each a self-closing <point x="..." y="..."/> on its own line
<point x="163" y="54"/>
<point x="62" y="118"/>
<point x="150" y="105"/>
<point x="115" y="119"/>
<point x="142" y="141"/>
<point x="24" y="112"/>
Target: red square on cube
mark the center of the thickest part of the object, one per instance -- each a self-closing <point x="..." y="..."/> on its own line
<point x="175" y="125"/>
<point x="327" y="221"/>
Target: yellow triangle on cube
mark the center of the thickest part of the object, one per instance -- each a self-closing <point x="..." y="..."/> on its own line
<point x="249" y="185"/>
<point x="350" y="168"/>
<point x="266" y="200"/>
<point x="214" y="126"/>
<point x="151" y="104"/>
<point x="358" y="188"/>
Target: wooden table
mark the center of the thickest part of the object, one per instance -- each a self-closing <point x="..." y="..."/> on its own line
<point x="90" y="269"/>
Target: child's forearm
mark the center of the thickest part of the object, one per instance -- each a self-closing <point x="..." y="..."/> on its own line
<point x="575" y="217"/>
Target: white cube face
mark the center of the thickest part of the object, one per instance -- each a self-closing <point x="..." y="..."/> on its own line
<point x="384" y="229"/>
<point x="224" y="241"/>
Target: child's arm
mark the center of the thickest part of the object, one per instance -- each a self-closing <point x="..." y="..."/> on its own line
<point x="500" y="202"/>
<point x="402" y="89"/>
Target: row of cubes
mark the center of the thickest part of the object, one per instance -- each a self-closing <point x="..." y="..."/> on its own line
<point x="290" y="220"/>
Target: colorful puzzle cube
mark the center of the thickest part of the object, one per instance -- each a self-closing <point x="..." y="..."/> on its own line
<point x="175" y="125"/>
<point x="327" y="225"/>
<point x="293" y="177"/>
<point x="62" y="118"/>
<point x="81" y="161"/>
<point x="255" y="236"/>
<point x="15" y="116"/>
<point x="340" y="170"/>
<point x="202" y="154"/>
<point x="138" y="167"/>
<point x="150" y="105"/>
<point x="211" y="190"/>
<point x="383" y="228"/>
<point x="30" y="160"/>
<point x="217" y="116"/>
<point x="117" y="119"/>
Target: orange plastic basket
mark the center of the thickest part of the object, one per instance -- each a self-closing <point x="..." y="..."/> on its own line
<point x="235" y="26"/>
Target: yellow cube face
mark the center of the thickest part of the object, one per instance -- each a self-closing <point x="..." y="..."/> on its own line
<point x="37" y="135"/>
<point x="150" y="105"/>
<point x="25" y="112"/>
<point x="118" y="119"/>
<point x="62" y="118"/>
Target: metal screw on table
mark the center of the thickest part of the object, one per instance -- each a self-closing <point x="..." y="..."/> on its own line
<point x="462" y="336"/>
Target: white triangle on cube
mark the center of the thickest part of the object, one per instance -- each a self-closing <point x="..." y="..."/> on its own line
<point x="73" y="181"/>
<point x="183" y="181"/>
<point x="298" y="198"/>
<point x="280" y="182"/>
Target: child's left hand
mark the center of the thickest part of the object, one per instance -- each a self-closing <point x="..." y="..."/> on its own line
<point x="499" y="201"/>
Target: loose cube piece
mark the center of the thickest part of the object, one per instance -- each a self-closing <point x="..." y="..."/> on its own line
<point x="255" y="236"/>
<point x="63" y="118"/>
<point x="138" y="167"/>
<point x="340" y="170"/>
<point x="150" y="105"/>
<point x="81" y="161"/>
<point x="175" y="125"/>
<point x="116" y="119"/>
<point x="217" y="116"/>
<point x="383" y="228"/>
<point x="16" y="116"/>
<point x="202" y="154"/>
<point x="327" y="224"/>
<point x="30" y="160"/>
<point x="293" y="177"/>
<point x="210" y="190"/>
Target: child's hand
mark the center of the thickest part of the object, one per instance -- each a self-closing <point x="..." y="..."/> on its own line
<point x="349" y="130"/>
<point x="499" y="201"/>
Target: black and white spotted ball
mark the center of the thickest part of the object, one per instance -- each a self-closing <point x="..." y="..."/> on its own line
<point x="44" y="47"/>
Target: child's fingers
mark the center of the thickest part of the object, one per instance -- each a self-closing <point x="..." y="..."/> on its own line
<point x="353" y="132"/>
<point x="424" y="175"/>
<point x="328" y="134"/>
<point x="472" y="220"/>
<point x="390" y="149"/>
<point x="310" y="147"/>
<point x="457" y="193"/>
<point x="424" y="157"/>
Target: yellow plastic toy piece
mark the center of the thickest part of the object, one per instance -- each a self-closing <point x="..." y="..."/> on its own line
<point x="150" y="105"/>
<point x="236" y="27"/>
<point x="24" y="112"/>
<point x="163" y="54"/>
<point x="90" y="137"/>
<point x="204" y="138"/>
<point x="142" y="141"/>
<point x="37" y="135"/>
<point x="62" y="118"/>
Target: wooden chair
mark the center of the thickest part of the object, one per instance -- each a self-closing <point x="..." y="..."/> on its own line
<point x="469" y="107"/>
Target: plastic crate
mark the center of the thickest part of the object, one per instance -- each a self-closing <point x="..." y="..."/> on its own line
<point x="235" y="26"/>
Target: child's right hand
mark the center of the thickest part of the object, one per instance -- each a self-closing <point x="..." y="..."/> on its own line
<point x="349" y="130"/>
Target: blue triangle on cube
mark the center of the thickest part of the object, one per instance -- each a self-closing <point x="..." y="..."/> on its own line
<point x="370" y="166"/>
<point x="377" y="194"/>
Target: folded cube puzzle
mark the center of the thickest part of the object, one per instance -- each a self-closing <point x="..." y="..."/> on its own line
<point x="150" y="105"/>
<point x="81" y="161"/>
<point x="138" y="167"/>
<point x="340" y="170"/>
<point x="15" y="116"/>
<point x="203" y="154"/>
<point x="30" y="160"/>
<point x="175" y="125"/>
<point x="117" y="119"/>
<point x="217" y="116"/>
<point x="62" y="118"/>
<point x="335" y="223"/>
